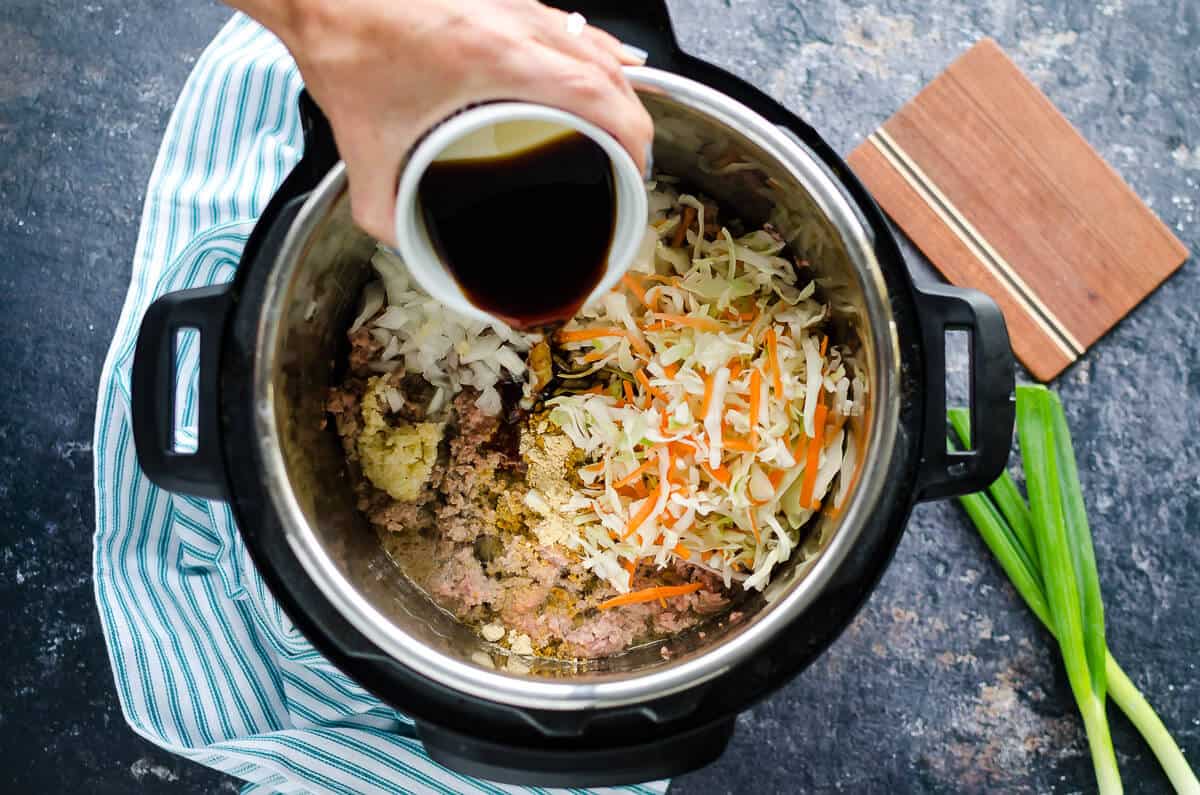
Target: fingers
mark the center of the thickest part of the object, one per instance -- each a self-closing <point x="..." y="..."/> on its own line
<point x="628" y="55"/>
<point x="372" y="184"/>
<point x="590" y="45"/>
<point x="589" y="90"/>
<point x="597" y="49"/>
<point x="592" y="42"/>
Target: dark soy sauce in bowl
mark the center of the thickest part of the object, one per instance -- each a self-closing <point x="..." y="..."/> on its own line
<point x="526" y="235"/>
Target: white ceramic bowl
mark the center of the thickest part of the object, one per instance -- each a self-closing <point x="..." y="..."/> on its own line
<point x="452" y="137"/>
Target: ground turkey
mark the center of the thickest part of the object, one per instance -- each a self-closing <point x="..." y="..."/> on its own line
<point x="465" y="537"/>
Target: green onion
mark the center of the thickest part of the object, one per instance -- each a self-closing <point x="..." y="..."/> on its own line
<point x="1004" y="492"/>
<point x="1079" y="539"/>
<point x="1051" y="546"/>
<point x="1068" y="585"/>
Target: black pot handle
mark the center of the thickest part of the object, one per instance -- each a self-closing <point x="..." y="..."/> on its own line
<point x="946" y="473"/>
<point x="206" y="309"/>
<point x="545" y="765"/>
<point x="153" y="391"/>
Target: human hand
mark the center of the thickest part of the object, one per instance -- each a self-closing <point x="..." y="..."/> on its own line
<point x="385" y="72"/>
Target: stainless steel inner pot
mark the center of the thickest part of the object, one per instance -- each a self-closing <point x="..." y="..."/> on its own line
<point x="313" y="292"/>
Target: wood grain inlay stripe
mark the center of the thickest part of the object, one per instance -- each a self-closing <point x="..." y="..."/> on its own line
<point x="1055" y="330"/>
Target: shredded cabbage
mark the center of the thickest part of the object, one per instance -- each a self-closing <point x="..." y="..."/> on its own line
<point x="691" y="465"/>
<point x="694" y="392"/>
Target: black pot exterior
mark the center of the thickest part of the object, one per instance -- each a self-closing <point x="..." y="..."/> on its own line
<point x="548" y="748"/>
<point x="650" y="740"/>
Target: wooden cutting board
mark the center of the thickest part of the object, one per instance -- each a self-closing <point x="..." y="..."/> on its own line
<point x="998" y="189"/>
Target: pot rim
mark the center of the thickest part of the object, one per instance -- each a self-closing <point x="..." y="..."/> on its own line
<point x="673" y="677"/>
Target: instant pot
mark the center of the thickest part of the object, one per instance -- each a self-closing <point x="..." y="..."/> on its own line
<point x="270" y="343"/>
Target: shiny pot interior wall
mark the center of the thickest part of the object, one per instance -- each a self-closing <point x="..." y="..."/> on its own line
<point x="318" y="297"/>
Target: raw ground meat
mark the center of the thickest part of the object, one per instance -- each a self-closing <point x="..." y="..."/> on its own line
<point x="465" y="541"/>
<point x="461" y="585"/>
<point x="364" y="349"/>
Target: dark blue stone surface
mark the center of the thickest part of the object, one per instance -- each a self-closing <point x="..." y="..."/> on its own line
<point x="943" y="684"/>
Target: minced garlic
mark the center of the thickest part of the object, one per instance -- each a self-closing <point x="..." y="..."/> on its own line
<point x="548" y="459"/>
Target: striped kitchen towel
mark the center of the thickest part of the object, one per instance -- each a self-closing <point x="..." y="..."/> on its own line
<point x="206" y="664"/>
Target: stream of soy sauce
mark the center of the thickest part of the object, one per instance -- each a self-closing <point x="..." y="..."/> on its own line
<point x="525" y="235"/>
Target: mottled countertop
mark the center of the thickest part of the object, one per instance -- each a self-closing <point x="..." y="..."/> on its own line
<point x="943" y="684"/>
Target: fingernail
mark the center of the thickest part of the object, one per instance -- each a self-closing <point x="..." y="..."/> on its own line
<point x="635" y="52"/>
<point x="649" y="172"/>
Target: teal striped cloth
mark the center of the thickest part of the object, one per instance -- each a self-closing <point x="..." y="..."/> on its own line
<point x="206" y="664"/>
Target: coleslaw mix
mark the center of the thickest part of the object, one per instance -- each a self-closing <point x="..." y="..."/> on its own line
<point x="715" y="422"/>
<point x="708" y="402"/>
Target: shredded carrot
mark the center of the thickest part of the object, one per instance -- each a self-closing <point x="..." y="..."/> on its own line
<point x="801" y="446"/>
<point x="824" y="345"/>
<point x="837" y="423"/>
<point x="671" y="370"/>
<point x="629" y="396"/>
<point x="773" y="361"/>
<point x="735" y="370"/>
<point x="680" y="449"/>
<point x="640" y="375"/>
<point x="738" y="445"/>
<point x="635" y="474"/>
<point x="810" y="465"/>
<point x="639" y="489"/>
<point x="639" y="345"/>
<point x="596" y="467"/>
<point x="755" y="403"/>
<point x="658" y="277"/>
<point x="633" y="287"/>
<point x="585" y="334"/>
<point x="652" y="296"/>
<point x="662" y="602"/>
<point x="640" y="517"/>
<point x="720" y="474"/>
<point x="629" y="566"/>
<point x="655" y="327"/>
<point x="777" y="475"/>
<point x="859" y="445"/>
<point x="650" y="594"/>
<point x="754" y="525"/>
<point x="689" y="215"/>
<point x="596" y="356"/>
<point x="701" y="323"/>
<point x="708" y="390"/>
<point x="595" y="390"/>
